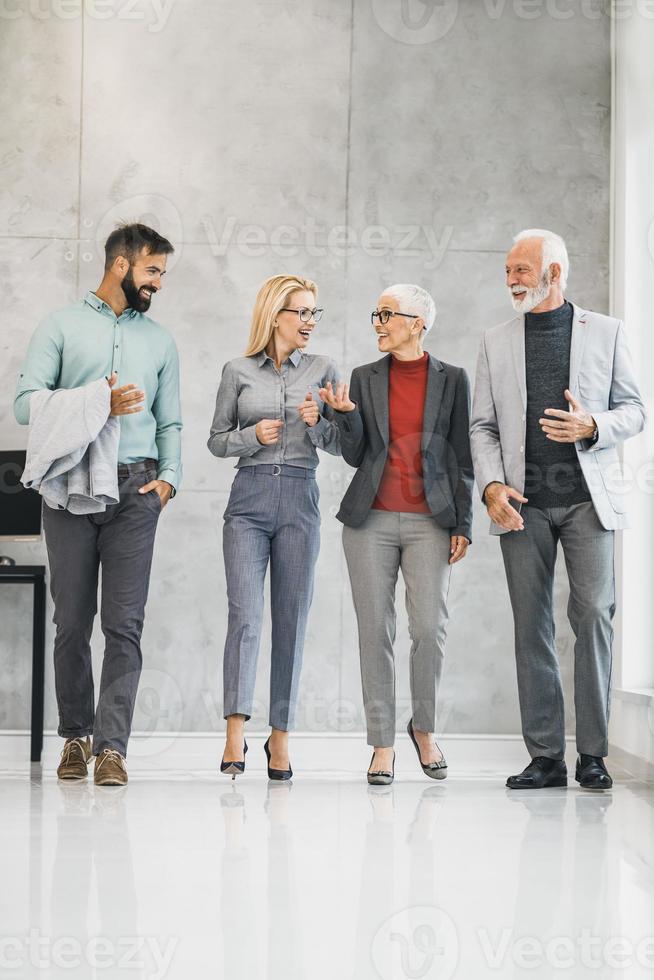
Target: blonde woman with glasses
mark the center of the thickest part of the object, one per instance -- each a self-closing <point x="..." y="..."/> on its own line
<point x="270" y="416"/>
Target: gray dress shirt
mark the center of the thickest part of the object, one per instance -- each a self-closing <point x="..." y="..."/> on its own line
<point x="251" y="389"/>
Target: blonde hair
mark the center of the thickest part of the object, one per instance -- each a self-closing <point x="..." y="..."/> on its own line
<point x="272" y="296"/>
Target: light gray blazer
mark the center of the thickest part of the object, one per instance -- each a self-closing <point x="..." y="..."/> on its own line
<point x="601" y="378"/>
<point x="72" y="448"/>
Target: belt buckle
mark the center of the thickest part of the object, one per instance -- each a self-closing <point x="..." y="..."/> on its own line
<point x="277" y="470"/>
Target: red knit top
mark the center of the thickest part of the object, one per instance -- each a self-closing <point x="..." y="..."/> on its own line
<point x="401" y="487"/>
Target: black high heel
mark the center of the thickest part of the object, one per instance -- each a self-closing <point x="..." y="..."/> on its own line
<point x="276" y="773"/>
<point x="235" y="768"/>
<point x="379" y="777"/>
<point x="435" y="770"/>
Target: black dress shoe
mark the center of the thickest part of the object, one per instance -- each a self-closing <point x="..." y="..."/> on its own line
<point x="541" y="773"/>
<point x="235" y="769"/>
<point x="276" y="773"/>
<point x="591" y="773"/>
<point x="435" y="770"/>
<point x="379" y="777"/>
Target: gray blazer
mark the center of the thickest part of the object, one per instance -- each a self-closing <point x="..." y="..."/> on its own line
<point x="72" y="448"/>
<point x="447" y="465"/>
<point x="601" y="378"/>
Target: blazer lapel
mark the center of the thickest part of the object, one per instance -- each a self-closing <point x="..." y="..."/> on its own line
<point x="379" y="396"/>
<point x="518" y="348"/>
<point x="577" y="342"/>
<point x="433" y="398"/>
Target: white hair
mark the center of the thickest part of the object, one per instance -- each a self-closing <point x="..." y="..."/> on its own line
<point x="414" y="299"/>
<point x="554" y="250"/>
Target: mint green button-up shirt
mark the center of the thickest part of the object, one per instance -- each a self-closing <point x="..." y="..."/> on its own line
<point x="86" y="341"/>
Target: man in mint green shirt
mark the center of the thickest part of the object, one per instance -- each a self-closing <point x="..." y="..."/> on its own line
<point x="101" y="335"/>
<point x="108" y="334"/>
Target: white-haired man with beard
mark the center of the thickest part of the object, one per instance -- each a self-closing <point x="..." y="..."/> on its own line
<point x="555" y="394"/>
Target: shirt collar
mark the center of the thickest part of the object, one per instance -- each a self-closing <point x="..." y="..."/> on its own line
<point x="102" y="307"/>
<point x="295" y="357"/>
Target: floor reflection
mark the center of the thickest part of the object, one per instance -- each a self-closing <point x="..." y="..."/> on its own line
<point x="324" y="878"/>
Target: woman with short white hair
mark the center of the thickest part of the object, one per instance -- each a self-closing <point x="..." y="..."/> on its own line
<point x="403" y="422"/>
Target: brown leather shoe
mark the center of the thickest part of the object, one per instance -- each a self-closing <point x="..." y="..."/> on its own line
<point x="110" y="769"/>
<point x="75" y="758"/>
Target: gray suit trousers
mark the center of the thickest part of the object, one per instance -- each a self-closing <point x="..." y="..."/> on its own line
<point x="119" y="540"/>
<point x="272" y="519"/>
<point x="375" y="551"/>
<point x="529" y="559"/>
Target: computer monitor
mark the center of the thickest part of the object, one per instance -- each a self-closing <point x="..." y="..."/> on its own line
<point x="20" y="508"/>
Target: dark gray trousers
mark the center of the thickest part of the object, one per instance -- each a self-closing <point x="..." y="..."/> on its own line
<point x="121" y="541"/>
<point x="529" y="560"/>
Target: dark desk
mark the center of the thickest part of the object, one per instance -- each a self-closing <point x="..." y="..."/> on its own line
<point x="34" y="575"/>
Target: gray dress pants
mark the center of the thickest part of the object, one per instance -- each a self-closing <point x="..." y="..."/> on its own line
<point x="529" y="559"/>
<point x="272" y="517"/>
<point x="386" y="542"/>
<point x="121" y="540"/>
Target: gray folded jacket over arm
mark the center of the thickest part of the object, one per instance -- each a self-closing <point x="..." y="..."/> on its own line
<point x="72" y="448"/>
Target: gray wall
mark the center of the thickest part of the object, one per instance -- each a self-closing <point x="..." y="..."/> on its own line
<point x="433" y="143"/>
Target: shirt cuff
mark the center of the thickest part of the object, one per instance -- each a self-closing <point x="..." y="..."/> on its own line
<point x="316" y="431"/>
<point x="587" y="444"/>
<point x="346" y="420"/>
<point x="249" y="437"/>
<point x="169" y="476"/>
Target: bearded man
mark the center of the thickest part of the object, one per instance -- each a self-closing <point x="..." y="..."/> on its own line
<point x="555" y="395"/>
<point x="107" y="335"/>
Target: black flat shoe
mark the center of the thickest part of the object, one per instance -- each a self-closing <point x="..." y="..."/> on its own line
<point x="380" y="777"/>
<point x="435" y="770"/>
<point x="591" y="773"/>
<point x="541" y="773"/>
<point x="234" y="769"/>
<point x="276" y="773"/>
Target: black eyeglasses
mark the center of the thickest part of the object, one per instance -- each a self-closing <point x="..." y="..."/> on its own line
<point x="384" y="316"/>
<point x="304" y="313"/>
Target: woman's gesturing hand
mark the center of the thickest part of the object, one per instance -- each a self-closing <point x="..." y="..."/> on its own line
<point x="267" y="431"/>
<point x="338" y="399"/>
<point x="309" y="411"/>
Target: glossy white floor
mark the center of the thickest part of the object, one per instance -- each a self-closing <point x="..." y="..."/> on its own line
<point x="182" y="875"/>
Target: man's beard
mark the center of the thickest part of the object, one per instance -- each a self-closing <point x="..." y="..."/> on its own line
<point x="136" y="300"/>
<point x="533" y="297"/>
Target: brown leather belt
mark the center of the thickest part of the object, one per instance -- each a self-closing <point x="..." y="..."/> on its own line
<point x="127" y="469"/>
